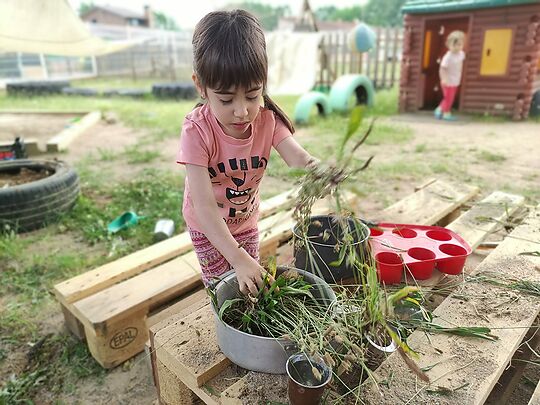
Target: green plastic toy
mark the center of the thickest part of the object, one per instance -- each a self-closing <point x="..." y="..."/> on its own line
<point x="126" y="220"/>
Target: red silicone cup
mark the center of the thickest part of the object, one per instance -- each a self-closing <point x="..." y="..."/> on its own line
<point x="453" y="264"/>
<point x="421" y="269"/>
<point x="405" y="232"/>
<point x="390" y="267"/>
<point x="375" y="232"/>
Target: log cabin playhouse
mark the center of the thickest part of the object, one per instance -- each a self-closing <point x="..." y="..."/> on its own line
<point x="501" y="72"/>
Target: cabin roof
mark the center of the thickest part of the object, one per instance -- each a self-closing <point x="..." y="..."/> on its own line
<point x="438" y="6"/>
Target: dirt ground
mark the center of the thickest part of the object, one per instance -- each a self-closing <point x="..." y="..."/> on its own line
<point x="514" y="165"/>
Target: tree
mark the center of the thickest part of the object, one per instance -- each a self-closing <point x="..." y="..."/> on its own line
<point x="375" y="12"/>
<point x="332" y="13"/>
<point x="163" y="21"/>
<point x="85" y="6"/>
<point x="268" y="16"/>
<point x="384" y="12"/>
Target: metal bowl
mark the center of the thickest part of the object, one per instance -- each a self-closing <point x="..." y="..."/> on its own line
<point x="258" y="353"/>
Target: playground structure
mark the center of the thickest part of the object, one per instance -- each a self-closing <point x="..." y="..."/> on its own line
<point x="348" y="73"/>
<point x="501" y="72"/>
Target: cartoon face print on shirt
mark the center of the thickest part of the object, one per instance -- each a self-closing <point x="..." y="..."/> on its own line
<point x="239" y="178"/>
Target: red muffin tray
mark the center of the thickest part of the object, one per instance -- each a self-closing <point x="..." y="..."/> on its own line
<point x="419" y="249"/>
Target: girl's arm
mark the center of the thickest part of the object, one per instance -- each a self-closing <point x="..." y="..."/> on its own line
<point x="293" y="154"/>
<point x="248" y="271"/>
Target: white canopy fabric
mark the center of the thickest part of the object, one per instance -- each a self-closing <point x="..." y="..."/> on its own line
<point x="49" y="27"/>
<point x="293" y="61"/>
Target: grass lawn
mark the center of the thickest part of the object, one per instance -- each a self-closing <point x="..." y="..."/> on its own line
<point x="30" y="264"/>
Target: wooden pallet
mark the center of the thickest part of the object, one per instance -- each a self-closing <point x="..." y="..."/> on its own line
<point x="108" y="306"/>
<point x="473" y="365"/>
<point x="222" y="382"/>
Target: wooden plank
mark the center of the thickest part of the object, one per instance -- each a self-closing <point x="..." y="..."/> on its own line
<point x="535" y="399"/>
<point x="430" y="204"/>
<point x="191" y="302"/>
<point x="385" y="55"/>
<point x="173" y="392"/>
<point x="485" y="216"/>
<point x="477" y="223"/>
<point x="190" y="348"/>
<point x="475" y="362"/>
<point x="377" y="47"/>
<point x="510" y="379"/>
<point x="151" y="288"/>
<point x="61" y="141"/>
<point x="92" y="281"/>
<point x="128" y="266"/>
<point x="277" y="203"/>
<point x="120" y="341"/>
<point x="258" y="388"/>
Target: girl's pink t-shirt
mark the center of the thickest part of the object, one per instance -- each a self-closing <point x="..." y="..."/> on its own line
<point x="235" y="166"/>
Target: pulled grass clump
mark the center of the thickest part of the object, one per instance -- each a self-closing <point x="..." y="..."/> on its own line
<point x="274" y="310"/>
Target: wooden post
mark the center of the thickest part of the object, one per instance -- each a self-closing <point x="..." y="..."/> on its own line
<point x="335" y="54"/>
<point x="368" y="63"/>
<point x="385" y="55"/>
<point x="394" y="56"/>
<point x="377" y="45"/>
<point x="43" y="64"/>
<point x="322" y="58"/>
<point x="171" y="51"/>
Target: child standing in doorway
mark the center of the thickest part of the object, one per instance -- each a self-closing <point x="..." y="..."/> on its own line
<point x="450" y="74"/>
<point x="225" y="145"/>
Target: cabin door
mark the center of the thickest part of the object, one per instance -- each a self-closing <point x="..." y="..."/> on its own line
<point x="435" y="34"/>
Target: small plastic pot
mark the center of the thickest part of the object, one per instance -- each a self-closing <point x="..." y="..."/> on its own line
<point x="455" y="262"/>
<point x="389" y="267"/>
<point x="303" y="387"/>
<point x="422" y="268"/>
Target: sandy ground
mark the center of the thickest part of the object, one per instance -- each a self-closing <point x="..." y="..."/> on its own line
<point x="464" y="141"/>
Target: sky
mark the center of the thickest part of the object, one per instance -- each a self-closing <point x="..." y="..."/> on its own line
<point x="187" y="16"/>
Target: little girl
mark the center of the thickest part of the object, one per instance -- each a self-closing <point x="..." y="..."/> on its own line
<point x="226" y="142"/>
<point x="450" y="73"/>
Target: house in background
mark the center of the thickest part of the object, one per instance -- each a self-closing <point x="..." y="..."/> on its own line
<point x="118" y="16"/>
<point x="501" y="72"/>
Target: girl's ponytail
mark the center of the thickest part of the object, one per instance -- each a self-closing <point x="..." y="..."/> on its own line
<point x="269" y="103"/>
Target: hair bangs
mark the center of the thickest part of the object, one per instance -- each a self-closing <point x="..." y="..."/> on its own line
<point x="233" y="66"/>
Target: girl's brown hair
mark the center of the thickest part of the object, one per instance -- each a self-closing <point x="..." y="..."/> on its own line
<point x="229" y="50"/>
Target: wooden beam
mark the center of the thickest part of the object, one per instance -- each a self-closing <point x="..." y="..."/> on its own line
<point x="190" y="349"/>
<point x="92" y="281"/>
<point x="429" y="204"/>
<point x="535" y="399"/>
<point x="61" y="141"/>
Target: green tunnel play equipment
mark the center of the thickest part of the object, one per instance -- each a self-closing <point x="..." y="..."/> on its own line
<point x="306" y="103"/>
<point x="348" y="86"/>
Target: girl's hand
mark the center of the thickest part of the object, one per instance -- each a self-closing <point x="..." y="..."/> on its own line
<point x="250" y="275"/>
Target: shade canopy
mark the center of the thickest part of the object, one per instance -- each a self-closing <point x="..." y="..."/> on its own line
<point x="49" y="27"/>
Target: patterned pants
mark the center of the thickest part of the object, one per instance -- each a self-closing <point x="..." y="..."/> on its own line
<point x="212" y="262"/>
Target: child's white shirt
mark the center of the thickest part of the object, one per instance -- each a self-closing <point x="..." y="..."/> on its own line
<point x="453" y="62"/>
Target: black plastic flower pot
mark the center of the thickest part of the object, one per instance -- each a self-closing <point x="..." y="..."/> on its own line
<point x="318" y="250"/>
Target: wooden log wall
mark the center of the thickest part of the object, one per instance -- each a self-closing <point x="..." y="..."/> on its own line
<point x="511" y="94"/>
<point x="380" y="64"/>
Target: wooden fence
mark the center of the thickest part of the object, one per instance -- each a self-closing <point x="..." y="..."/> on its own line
<point x="380" y="64"/>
